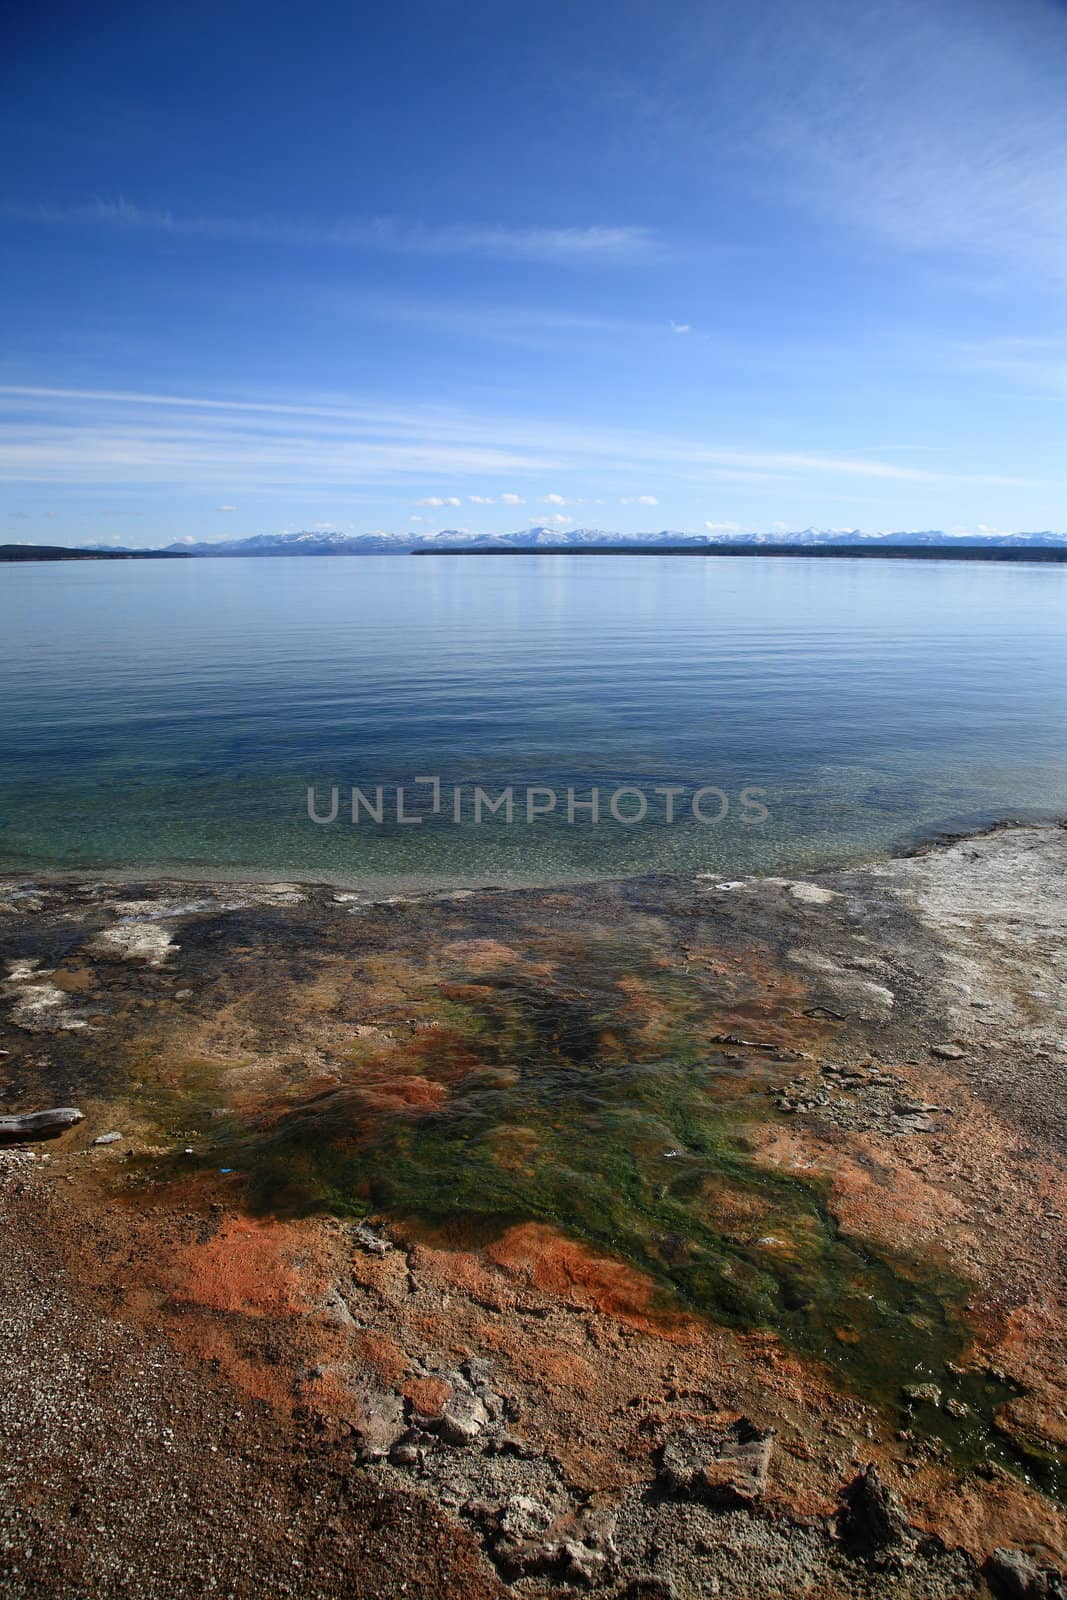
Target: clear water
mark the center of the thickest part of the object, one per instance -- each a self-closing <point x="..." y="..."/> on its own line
<point x="173" y="716"/>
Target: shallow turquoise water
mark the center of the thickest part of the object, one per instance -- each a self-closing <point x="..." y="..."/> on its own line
<point x="174" y="715"/>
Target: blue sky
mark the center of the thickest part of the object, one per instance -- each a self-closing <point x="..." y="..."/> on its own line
<point x="480" y="265"/>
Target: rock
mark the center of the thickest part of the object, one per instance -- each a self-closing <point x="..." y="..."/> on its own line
<point x="107" y="1138"/>
<point x="39" y="1124"/>
<point x="725" y="1466"/>
<point x="916" y="1124"/>
<point x="581" y="1551"/>
<point x="564" y="1560"/>
<point x="811" y="894"/>
<point x="872" y="1516"/>
<point x="948" y="1052"/>
<point x="462" y="1418"/>
<point x="582" y="1565"/>
<point x="918" y="1394"/>
<point x="647" y="1586"/>
<point x="336" y="1310"/>
<point x="1011" y="1573"/>
<point x="524" y="1517"/>
<point x="378" y="1425"/>
<point x="364" y="1235"/>
<point x="1014" y="1575"/>
<point x="409" y="1448"/>
<point x="483" y="1512"/>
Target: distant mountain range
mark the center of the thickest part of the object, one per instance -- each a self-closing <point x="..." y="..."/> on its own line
<point x="330" y="543"/>
<point x="819" y="541"/>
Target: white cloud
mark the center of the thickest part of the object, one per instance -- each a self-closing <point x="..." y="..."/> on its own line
<point x="481" y="499"/>
<point x="561" y="518"/>
<point x="225" y="508"/>
<point x="117" y="437"/>
<point x="647" y="500"/>
<point x="598" y="243"/>
<point x="724" y="527"/>
<point x="681" y="327"/>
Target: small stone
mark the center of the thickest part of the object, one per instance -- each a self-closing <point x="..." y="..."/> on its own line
<point x="948" y="1052"/>
<point x="368" y="1240"/>
<point x="524" y="1517"/>
<point x="923" y="1394"/>
<point x="872" y="1516"/>
<point x="913" y="1123"/>
<point x="107" y="1138"/>
<point x="462" y="1419"/>
<point x="378" y="1425"/>
<point x="483" y="1512"/>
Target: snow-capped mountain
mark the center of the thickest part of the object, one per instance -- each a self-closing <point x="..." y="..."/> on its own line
<point x="331" y="542"/>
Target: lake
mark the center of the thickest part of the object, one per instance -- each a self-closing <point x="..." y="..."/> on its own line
<point x="173" y="715"/>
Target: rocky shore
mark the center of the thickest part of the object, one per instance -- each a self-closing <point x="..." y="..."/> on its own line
<point x="665" y="1238"/>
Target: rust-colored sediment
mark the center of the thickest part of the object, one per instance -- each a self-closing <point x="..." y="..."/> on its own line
<point x="600" y="1367"/>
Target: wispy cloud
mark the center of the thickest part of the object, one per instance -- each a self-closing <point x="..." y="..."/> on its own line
<point x="939" y="125"/>
<point x="1037" y="364"/>
<point x="522" y="325"/>
<point x="121" y="437"/>
<point x="566" y="246"/>
<point x="936" y="125"/>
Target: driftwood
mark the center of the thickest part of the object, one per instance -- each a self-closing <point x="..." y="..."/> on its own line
<point x="749" y="1044"/>
<point x="38" y="1125"/>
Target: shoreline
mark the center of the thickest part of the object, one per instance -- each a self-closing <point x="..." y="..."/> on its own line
<point x="852" y="1073"/>
<point x="405" y="887"/>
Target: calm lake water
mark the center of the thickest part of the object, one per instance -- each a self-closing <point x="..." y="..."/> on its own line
<point x="174" y="715"/>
